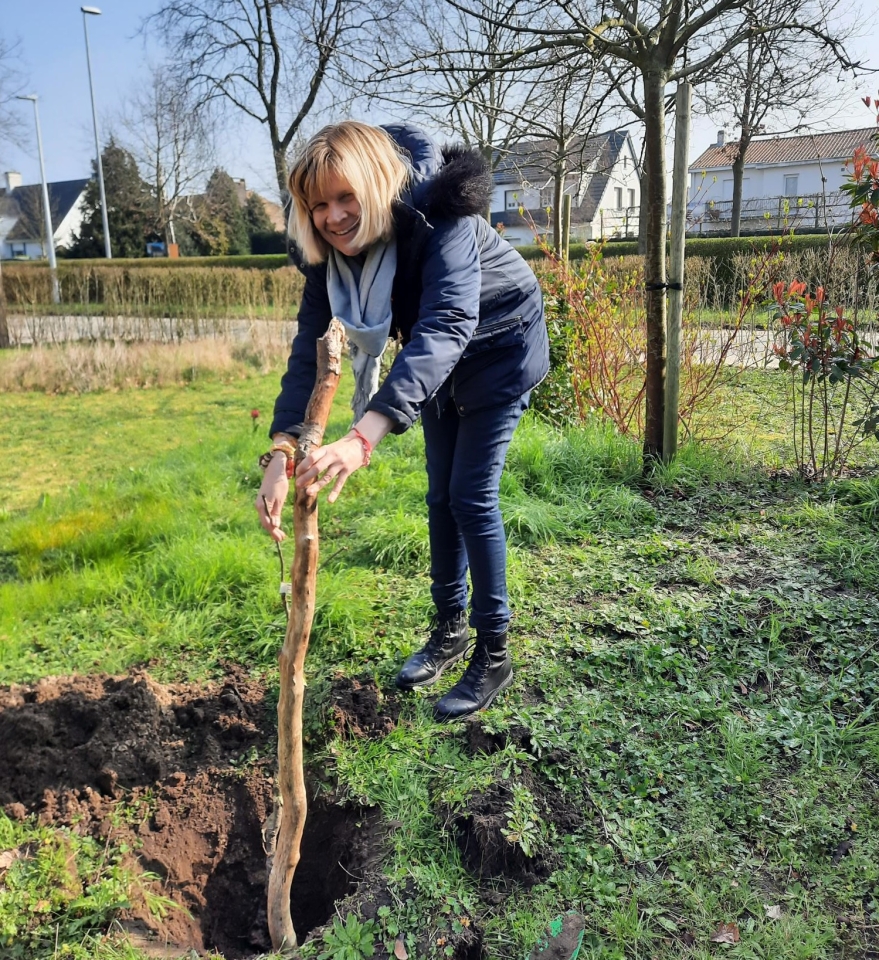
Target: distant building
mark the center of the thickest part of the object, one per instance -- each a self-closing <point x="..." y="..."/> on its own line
<point x="786" y="179"/>
<point x="602" y="180"/>
<point x="274" y="211"/>
<point x="22" y="232"/>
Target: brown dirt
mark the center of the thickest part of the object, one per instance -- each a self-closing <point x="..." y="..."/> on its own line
<point x="562" y="940"/>
<point x="359" y="709"/>
<point x="184" y="775"/>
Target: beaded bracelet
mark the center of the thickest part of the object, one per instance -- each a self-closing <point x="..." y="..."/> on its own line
<point x="282" y="446"/>
<point x="285" y="447"/>
<point x="367" y="446"/>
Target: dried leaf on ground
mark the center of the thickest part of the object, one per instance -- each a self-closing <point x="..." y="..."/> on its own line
<point x="400" y="949"/>
<point x="8" y="857"/>
<point x="772" y="913"/>
<point x="726" y="933"/>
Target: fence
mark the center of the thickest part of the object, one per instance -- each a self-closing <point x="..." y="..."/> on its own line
<point x="818" y="211"/>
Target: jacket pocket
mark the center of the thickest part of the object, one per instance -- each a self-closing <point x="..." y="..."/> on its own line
<point x="506" y="332"/>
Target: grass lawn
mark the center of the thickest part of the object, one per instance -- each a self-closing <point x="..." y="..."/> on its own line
<point x="691" y="740"/>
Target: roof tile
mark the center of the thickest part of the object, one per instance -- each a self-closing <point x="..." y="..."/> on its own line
<point x="813" y="146"/>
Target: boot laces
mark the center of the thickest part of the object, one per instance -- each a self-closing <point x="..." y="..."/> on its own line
<point x="441" y="633"/>
<point x="478" y="666"/>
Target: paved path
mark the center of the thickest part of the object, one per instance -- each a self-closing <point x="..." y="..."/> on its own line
<point x="751" y="348"/>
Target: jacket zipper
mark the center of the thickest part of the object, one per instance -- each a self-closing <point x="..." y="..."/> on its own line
<point x="481" y="333"/>
<point x="497" y="327"/>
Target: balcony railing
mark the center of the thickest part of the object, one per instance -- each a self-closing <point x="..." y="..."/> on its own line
<point x="816" y="210"/>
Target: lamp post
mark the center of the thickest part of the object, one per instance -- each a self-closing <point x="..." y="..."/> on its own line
<point x="95" y="12"/>
<point x="49" y="246"/>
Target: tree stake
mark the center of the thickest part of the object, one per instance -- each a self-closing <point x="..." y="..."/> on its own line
<point x="303" y="575"/>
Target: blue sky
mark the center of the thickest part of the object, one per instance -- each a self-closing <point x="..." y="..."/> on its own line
<point x="54" y="67"/>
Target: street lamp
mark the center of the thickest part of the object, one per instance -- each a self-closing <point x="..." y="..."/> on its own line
<point x="95" y="12"/>
<point x="47" y="213"/>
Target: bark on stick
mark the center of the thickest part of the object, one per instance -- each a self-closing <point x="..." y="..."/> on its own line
<point x="291" y="776"/>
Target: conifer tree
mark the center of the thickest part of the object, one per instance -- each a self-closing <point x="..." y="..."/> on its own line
<point x="129" y="208"/>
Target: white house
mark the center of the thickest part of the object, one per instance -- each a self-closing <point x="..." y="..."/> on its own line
<point x="21" y="216"/>
<point x="791" y="180"/>
<point x="602" y="180"/>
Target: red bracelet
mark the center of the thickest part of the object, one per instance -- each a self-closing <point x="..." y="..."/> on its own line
<point x="367" y="446"/>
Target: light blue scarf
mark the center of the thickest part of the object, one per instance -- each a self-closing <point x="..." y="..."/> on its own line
<point x="360" y="296"/>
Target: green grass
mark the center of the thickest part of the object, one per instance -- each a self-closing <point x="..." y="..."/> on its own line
<point x="59" y="889"/>
<point x="697" y="659"/>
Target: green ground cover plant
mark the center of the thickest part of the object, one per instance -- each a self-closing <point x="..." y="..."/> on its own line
<point x="61" y="891"/>
<point x="692" y="738"/>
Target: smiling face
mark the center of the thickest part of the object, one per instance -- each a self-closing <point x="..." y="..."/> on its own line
<point x="335" y="213"/>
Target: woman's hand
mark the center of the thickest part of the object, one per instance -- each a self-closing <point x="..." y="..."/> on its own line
<point x="271" y="496"/>
<point x="336" y="461"/>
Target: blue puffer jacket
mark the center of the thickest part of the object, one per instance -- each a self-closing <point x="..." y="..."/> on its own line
<point x="466" y="306"/>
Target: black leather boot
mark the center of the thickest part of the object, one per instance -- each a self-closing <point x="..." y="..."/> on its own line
<point x="489" y="672"/>
<point x="448" y="643"/>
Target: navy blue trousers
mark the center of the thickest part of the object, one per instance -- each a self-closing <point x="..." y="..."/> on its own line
<point x="465" y="458"/>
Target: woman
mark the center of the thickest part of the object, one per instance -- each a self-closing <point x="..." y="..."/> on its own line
<point x="394" y="243"/>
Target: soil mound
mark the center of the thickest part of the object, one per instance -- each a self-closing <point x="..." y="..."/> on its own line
<point x="184" y="775"/>
<point x="99" y="733"/>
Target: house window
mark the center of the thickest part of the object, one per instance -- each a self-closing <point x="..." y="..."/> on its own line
<point x="511" y="200"/>
<point x="791" y="185"/>
<point x="631" y="198"/>
<point x="546" y="195"/>
<point x="619" y="193"/>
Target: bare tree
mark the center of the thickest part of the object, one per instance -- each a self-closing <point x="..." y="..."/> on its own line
<point x="773" y="79"/>
<point x="563" y="108"/>
<point x="172" y="140"/>
<point x="446" y="56"/>
<point x="270" y="59"/>
<point x="663" y="41"/>
<point x="13" y="127"/>
<point x="443" y="66"/>
<point x="12" y="131"/>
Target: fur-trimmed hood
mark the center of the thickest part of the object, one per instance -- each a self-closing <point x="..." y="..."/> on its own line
<point x="461" y="187"/>
<point x="448" y="182"/>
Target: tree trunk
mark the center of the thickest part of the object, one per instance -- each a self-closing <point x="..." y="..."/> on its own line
<point x="558" y="192"/>
<point x="291" y="777"/>
<point x="487" y="151"/>
<point x="279" y="155"/>
<point x="654" y="261"/>
<point x="642" y="212"/>
<point x="4" y="323"/>
<point x="738" y="169"/>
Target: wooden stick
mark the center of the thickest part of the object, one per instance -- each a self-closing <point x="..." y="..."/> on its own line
<point x="303" y="575"/>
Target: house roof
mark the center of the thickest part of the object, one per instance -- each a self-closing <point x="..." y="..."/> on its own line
<point x="812" y="146"/>
<point x="532" y="160"/>
<point x="591" y="163"/>
<point x="28" y="200"/>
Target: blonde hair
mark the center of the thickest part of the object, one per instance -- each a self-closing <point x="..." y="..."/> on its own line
<point x="369" y="160"/>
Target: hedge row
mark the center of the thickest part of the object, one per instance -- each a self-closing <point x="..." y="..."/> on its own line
<point x="184" y="292"/>
<point x="703" y="246"/>
<point x="696" y="247"/>
<point x="264" y="261"/>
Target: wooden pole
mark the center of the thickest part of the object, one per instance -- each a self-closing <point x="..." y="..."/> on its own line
<point x="676" y="272"/>
<point x="303" y="576"/>
<point x="4" y="323"/>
